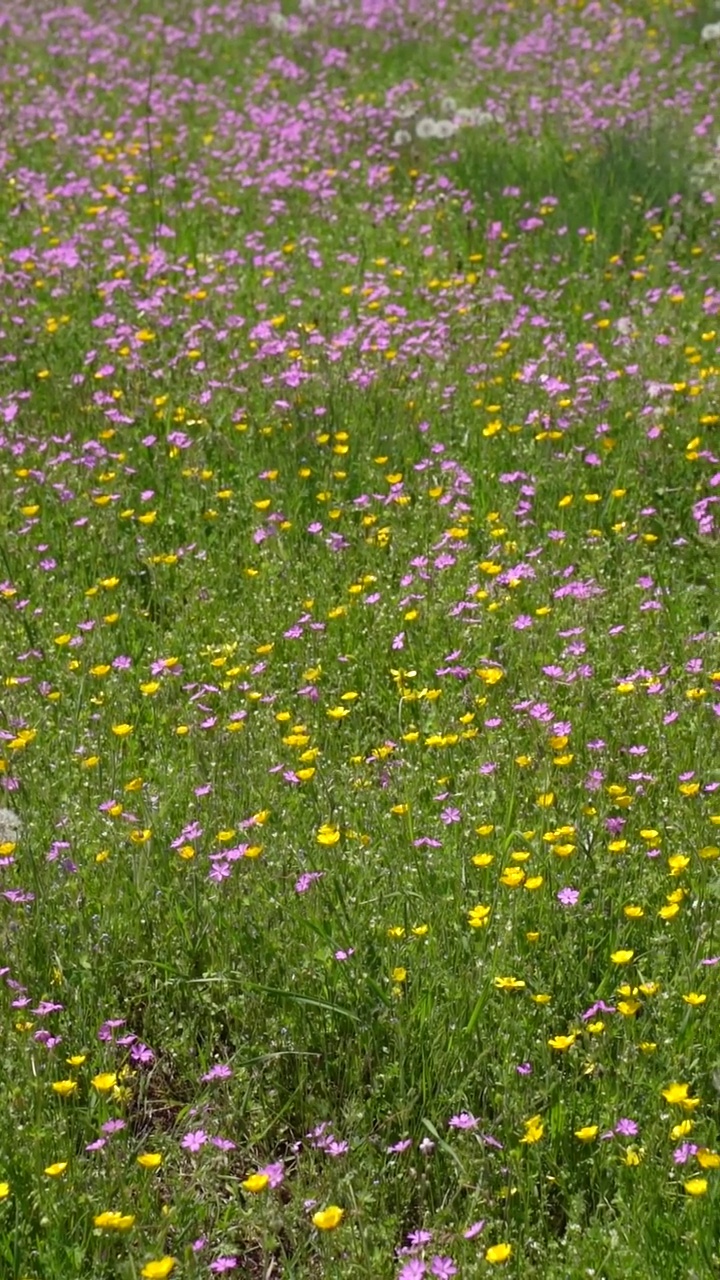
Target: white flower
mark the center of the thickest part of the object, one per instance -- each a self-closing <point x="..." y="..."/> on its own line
<point x="426" y="127"/>
<point x="654" y="389"/>
<point x="401" y="137"/>
<point x="10" y="826"/>
<point x="473" y="116"/>
<point x="710" y="32"/>
<point x="429" y="128"/>
<point x="449" y="106"/>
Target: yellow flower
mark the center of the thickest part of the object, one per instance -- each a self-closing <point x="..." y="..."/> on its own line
<point x="328" y="1219"/>
<point x="105" y="1081"/>
<point x="483" y="859"/>
<point x="489" y="675"/>
<point x="534" y="1129"/>
<point x="633" y="912"/>
<point x="681" y="1130"/>
<point x="111" y="1220"/>
<point x="544" y="801"/>
<point x="534" y="882"/>
<point x="622" y="957"/>
<point x="158" y="1270"/>
<point x="708" y="1159"/>
<point x="399" y="974"/>
<point x="696" y="1186"/>
<point x="675" y="1093"/>
<point x="328" y="834"/>
<point x="563" y="850"/>
<point x="256" y="1183"/>
<point x="561" y="1043"/>
<point x="122" y="730"/>
<point x="695" y="998"/>
<point x="76" y="1060"/>
<point x="4" y="1190"/>
<point x="64" y="1087"/>
<point x="509" y="984"/>
<point x="512" y="877"/>
<point x="56" y="1170"/>
<point x="150" y="1160"/>
<point x="628" y="1008"/>
<point x="633" y="1156"/>
<point x="498" y="1253"/>
<point x="478" y="916"/>
<point x="588" y="1133"/>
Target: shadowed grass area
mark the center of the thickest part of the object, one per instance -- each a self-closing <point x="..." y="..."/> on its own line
<point x="604" y="189"/>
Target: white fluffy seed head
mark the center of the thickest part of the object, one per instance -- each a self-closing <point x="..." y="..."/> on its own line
<point x="10" y="826"/>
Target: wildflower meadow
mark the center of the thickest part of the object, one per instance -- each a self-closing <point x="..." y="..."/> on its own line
<point x="360" y="639"/>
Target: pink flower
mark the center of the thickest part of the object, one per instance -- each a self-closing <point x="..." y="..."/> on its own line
<point x="474" y="1230"/>
<point x="443" y="1268"/>
<point x="465" y="1120"/>
<point x="194" y="1140"/>
<point x="413" y="1270"/>
<point x="221" y="1071"/>
<point x="307" y="879"/>
<point x="274" y="1172"/>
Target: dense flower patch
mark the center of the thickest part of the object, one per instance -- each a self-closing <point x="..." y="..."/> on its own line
<point x="360" y="661"/>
